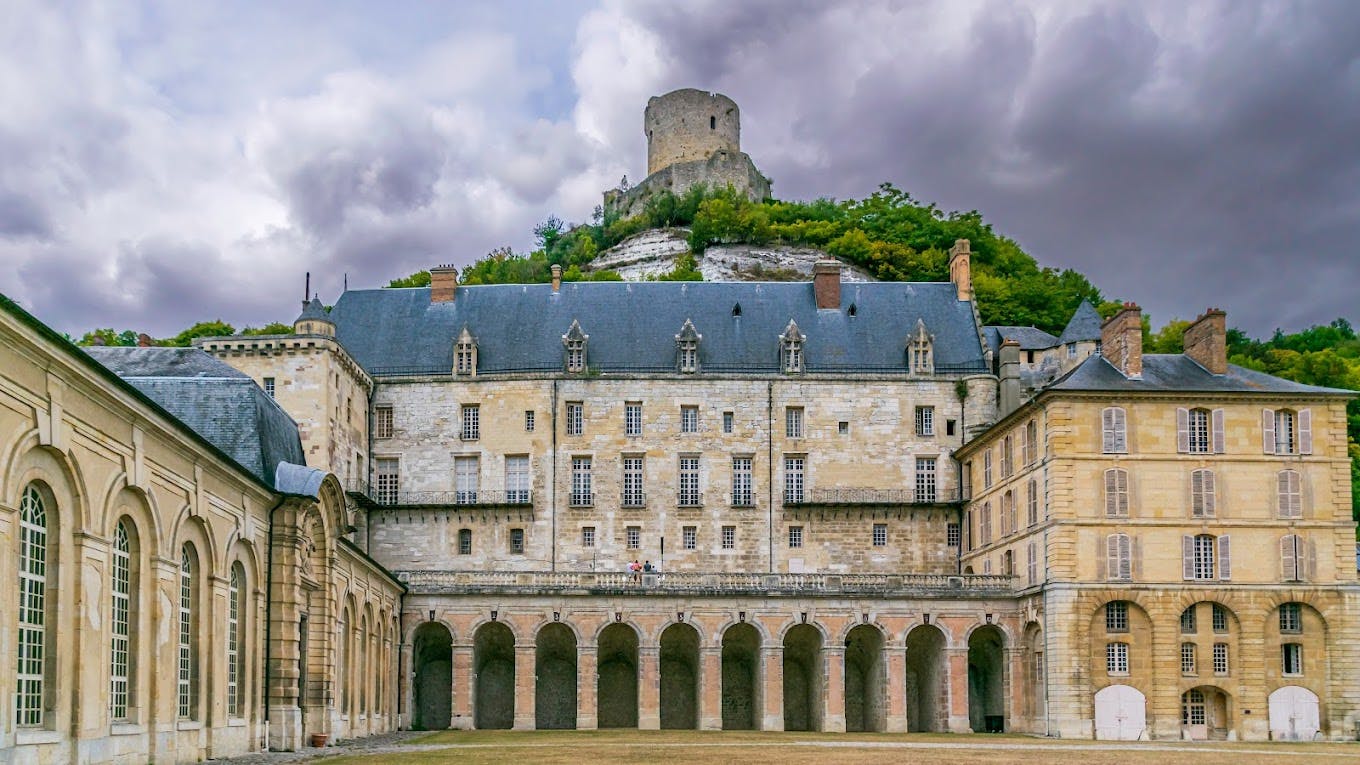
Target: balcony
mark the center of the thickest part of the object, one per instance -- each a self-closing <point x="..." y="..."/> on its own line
<point x="375" y="496"/>
<point x="850" y="497"/>
<point x="691" y="583"/>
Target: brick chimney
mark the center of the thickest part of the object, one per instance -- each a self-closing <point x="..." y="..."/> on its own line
<point x="961" y="268"/>
<point x="826" y="283"/>
<point x="143" y="340"/>
<point x="443" y="284"/>
<point x="1009" y="358"/>
<point x="557" y="277"/>
<point x="1121" y="340"/>
<point x="1206" y="341"/>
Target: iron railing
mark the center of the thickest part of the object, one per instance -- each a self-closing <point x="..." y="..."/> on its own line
<point x="381" y="496"/>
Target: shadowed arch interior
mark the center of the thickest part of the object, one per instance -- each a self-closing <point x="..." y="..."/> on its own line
<point x="493" y="661"/>
<point x="740" y="677"/>
<point x="555" y="678"/>
<point x="803" y="678"/>
<point x="986" y="680"/>
<point x="433" y="658"/>
<point x="925" y="677"/>
<point x="680" y="677"/>
<point x="864" y="679"/>
<point x="617" y="688"/>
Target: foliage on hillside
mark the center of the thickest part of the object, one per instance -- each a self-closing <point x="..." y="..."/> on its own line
<point x="216" y="328"/>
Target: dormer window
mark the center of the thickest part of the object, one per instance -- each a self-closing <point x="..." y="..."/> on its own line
<point x="465" y="354"/>
<point x="921" y="350"/>
<point x="687" y="348"/>
<point x="791" y="349"/>
<point x="575" y="343"/>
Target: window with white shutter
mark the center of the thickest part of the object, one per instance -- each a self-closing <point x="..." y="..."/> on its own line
<point x="1224" y="559"/>
<point x="1289" y="496"/>
<point x="1286" y="432"/>
<point x="1293" y="558"/>
<point x="1193" y="433"/>
<point x="1113" y="434"/>
<point x="1305" y="431"/>
<point x="1268" y="431"/>
<point x="1202" y="496"/>
<point x="1198" y="556"/>
<point x="1118" y="557"/>
<point x="1117" y="493"/>
<point x="1219" y="434"/>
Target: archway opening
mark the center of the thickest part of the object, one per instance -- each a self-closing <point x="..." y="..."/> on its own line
<point x="803" y="678"/>
<point x="555" y="678"/>
<point x="986" y="680"/>
<point x="926" y="701"/>
<point x="493" y="662"/>
<point x="617" y="689"/>
<point x="680" y="677"/>
<point x="864" y="680"/>
<point x="740" y="677"/>
<point x="1205" y="714"/>
<point x="1036" y="689"/>
<point x="432" y="650"/>
<point x="1294" y="714"/>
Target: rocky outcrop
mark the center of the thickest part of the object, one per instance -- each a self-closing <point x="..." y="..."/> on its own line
<point x="655" y="252"/>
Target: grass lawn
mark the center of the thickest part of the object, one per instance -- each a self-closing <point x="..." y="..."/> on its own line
<point x="632" y="747"/>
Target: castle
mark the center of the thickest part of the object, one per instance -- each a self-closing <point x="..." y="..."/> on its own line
<point x="863" y="510"/>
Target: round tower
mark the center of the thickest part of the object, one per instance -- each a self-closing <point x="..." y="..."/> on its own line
<point x="689" y="125"/>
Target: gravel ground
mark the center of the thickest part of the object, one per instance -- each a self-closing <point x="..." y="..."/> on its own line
<point x="383" y="742"/>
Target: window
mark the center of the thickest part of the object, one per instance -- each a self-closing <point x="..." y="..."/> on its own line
<point x="986" y="535"/>
<point x="1113" y="436"/>
<point x="689" y="419"/>
<point x="1188" y="663"/>
<point x="1200" y="557"/>
<point x="925" y="479"/>
<point x="949" y="427"/>
<point x="953" y="534"/>
<point x="987" y="469"/>
<point x="1197" y="436"/>
<point x="465" y="474"/>
<point x="465" y="354"/>
<point x="633" y="486"/>
<point x="880" y="537"/>
<point x="517" y="480"/>
<point x="1117" y="493"/>
<point x="1031" y="443"/>
<point x="472" y="422"/>
<point x="712" y="123"/>
<point x="689" y="537"/>
<point x="729" y="537"/>
<point x="1032" y="502"/>
<point x="925" y="420"/>
<point x="388" y="480"/>
<point x="465" y="541"/>
<point x="632" y="418"/>
<point x="236" y="670"/>
<point x="1291" y="618"/>
<point x="689" y="482"/>
<point x="1202" y="499"/>
<point x="1193" y="708"/>
<point x="575" y="418"/>
<point x="1291" y="658"/>
<point x="1008" y="563"/>
<point x="920" y="353"/>
<point x="795" y="536"/>
<point x="187" y="678"/>
<point x="987" y="566"/>
<point x="793" y="478"/>
<point x="1033" y="563"/>
<point x="1119" y="557"/>
<point x="1284" y="432"/>
<point x="793" y="421"/>
<point x="120" y="586"/>
<point x="1117" y="658"/>
<point x="1293" y="558"/>
<point x="575" y="343"/>
<point x="587" y="536"/>
<point x="269" y="386"/>
<point x="1218" y="617"/>
<point x="843" y="427"/>
<point x="1007" y="513"/>
<point x="528" y="420"/>
<point x="1188" y="626"/>
<point x="1220" y="658"/>
<point x="1117" y="616"/>
<point x="516" y="541"/>
<point x="727" y="422"/>
<point x="1289" y="496"/>
<point x="791" y="349"/>
<point x="582" y="493"/>
<point x="1071" y="350"/>
<point x="741" y="482"/>
<point x="687" y="348"/>
<point x="632" y="537"/>
<point x="1007" y="458"/>
<point x="1287" y="432"/>
<point x="382" y="422"/>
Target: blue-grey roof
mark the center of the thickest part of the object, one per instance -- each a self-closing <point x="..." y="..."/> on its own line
<point x="298" y="479"/>
<point x="632" y="326"/>
<point x="219" y="403"/>
<point x="1084" y="325"/>
<point x="1029" y="338"/>
<point x="312" y="310"/>
<point x="1178" y="373"/>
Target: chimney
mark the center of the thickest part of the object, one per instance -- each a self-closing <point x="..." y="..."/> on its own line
<point x="1009" y="357"/>
<point x="443" y="284"/>
<point x="1206" y="341"/>
<point x="143" y="340"/>
<point x="557" y="277"/>
<point x="1121" y="340"/>
<point x="961" y="268"/>
<point x="826" y="283"/>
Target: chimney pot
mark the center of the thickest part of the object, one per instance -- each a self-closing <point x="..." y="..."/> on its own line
<point x="556" y="277"/>
<point x="443" y="284"/>
<point x="961" y="268"/>
<point x="1206" y="341"/>
<point x="1009" y="358"/>
<point x="1121" y="340"/>
<point x="143" y="340"/>
<point x="826" y="283"/>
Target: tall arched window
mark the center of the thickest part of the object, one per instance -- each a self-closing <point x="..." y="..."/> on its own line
<point x="32" y="645"/>
<point x="123" y="591"/>
<point x="236" y="665"/>
<point x="187" y="685"/>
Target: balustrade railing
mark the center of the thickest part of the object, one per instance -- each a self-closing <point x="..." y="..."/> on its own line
<point x="387" y="496"/>
<point x="854" y="496"/>
<point x="688" y="581"/>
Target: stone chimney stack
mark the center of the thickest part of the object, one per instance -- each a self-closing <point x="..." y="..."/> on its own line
<point x="1206" y="341"/>
<point x="557" y="277"/>
<point x="1121" y="340"/>
<point x="1009" y="357"/>
<point x="826" y="283"/>
<point x="443" y="284"/>
<point x="143" y="340"/>
<point x="961" y="268"/>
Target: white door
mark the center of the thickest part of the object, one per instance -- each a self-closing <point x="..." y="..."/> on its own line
<point x="1121" y="713"/>
<point x="1293" y="714"/>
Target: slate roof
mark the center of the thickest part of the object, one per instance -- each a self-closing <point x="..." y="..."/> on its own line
<point x="632" y="326"/>
<point x="1178" y="373"/>
<point x="1029" y="338"/>
<point x="1084" y="325"/>
<point x="221" y="404"/>
<point x="312" y="310"/>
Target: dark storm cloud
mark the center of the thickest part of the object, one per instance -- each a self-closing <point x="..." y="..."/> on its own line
<point x="22" y="217"/>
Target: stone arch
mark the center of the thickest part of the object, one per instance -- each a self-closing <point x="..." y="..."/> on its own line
<point x="741" y="677"/>
<point x="515" y="636"/>
<point x="1034" y="683"/>
<point x="1103" y="635"/>
<point x="432" y="691"/>
<point x="927" y="673"/>
<point x="950" y="640"/>
<point x="616" y="692"/>
<point x="987" y="678"/>
<point x="792" y="624"/>
<point x="804" y="676"/>
<point x="52" y="522"/>
<point x="493" y="669"/>
<point x="1207" y="714"/>
<point x="865" y="679"/>
<point x="680" y="671"/>
<point x="62" y="479"/>
<point x="555" y="676"/>
<point x="717" y="636"/>
<point x="189" y="527"/>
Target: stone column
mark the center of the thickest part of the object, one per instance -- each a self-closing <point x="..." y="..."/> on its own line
<point x="957" y="659"/>
<point x="710" y="687"/>
<point x="895" y="674"/>
<point x="649" y="688"/>
<point x="88" y="701"/>
<point x="772" y="677"/>
<point x="525" y="688"/>
<point x="833" y="690"/>
<point x="587" y="678"/>
<point x="462" y="687"/>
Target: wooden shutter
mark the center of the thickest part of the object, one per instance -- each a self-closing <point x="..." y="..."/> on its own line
<point x="1289" y="557"/>
<point x="1289" y="494"/>
<point x="1182" y="430"/>
<point x="1224" y="557"/>
<point x="1305" y="431"/>
<point x="1187" y="557"/>
<point x="1209" y="495"/>
<point x="1102" y="558"/>
<point x="1135" y="558"/>
<point x="1107" y="430"/>
<point x="1196" y="493"/>
<point x="1268" y="430"/>
<point x="1220" y="438"/>
<point x="1121" y="433"/>
<point x="1125" y="554"/>
<point x="1310" y="568"/>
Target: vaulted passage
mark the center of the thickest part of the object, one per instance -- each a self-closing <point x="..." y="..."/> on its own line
<point x="680" y="677"/>
<point x="864" y="680"/>
<point x="740" y="677"/>
<point x="493" y="661"/>
<point x="803" y="678"/>
<point x="617" y="690"/>
<point x="433" y="651"/>
<point x="555" y="678"/>
<point x="926" y="702"/>
<point x="986" y="680"/>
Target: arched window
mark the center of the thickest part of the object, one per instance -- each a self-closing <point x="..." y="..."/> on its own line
<point x="1113" y="434"/>
<point x="236" y="664"/>
<point x="187" y="684"/>
<point x="1117" y="493"/>
<point x="1202" y="494"/>
<point x="123" y="592"/>
<point x="33" y="607"/>
<point x="1289" y="495"/>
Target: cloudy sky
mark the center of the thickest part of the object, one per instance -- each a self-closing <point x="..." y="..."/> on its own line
<point x="162" y="163"/>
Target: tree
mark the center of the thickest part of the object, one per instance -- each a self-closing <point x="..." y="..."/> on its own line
<point x="417" y="279"/>
<point x="214" y="328"/>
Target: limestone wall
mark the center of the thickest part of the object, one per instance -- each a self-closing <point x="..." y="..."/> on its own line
<point x="719" y="170"/>
<point x="689" y="125"/>
<point x="655" y="252"/>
